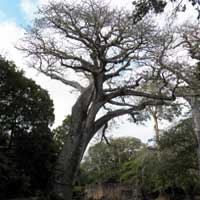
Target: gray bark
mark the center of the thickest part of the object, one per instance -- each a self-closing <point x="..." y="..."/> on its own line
<point x="67" y="164"/>
<point x="195" y="106"/>
<point x="74" y="147"/>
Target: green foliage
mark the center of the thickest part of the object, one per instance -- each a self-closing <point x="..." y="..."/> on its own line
<point x="61" y="131"/>
<point x="197" y="71"/>
<point x="174" y="167"/>
<point x="172" y="170"/>
<point x="27" y="149"/>
<point x="169" y="112"/>
<point x="143" y="7"/>
<point x="23" y="105"/>
<point x="179" y="150"/>
<point x="104" y="161"/>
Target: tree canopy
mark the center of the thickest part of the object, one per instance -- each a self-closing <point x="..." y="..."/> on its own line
<point x="27" y="151"/>
<point x="103" y="162"/>
<point x="175" y="173"/>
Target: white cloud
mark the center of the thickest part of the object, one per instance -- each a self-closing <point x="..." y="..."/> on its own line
<point x="143" y="132"/>
<point x="41" y="2"/>
<point x="29" y="7"/>
<point x="9" y="34"/>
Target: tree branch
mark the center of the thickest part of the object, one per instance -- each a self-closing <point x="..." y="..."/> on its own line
<point x="73" y="84"/>
<point x="129" y="92"/>
<point x="113" y="114"/>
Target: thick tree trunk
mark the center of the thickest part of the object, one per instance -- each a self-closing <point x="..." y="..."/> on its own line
<point x="74" y="146"/>
<point x="195" y="105"/>
<point x="67" y="164"/>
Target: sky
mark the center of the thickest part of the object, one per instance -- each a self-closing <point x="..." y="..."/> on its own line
<point x="16" y="15"/>
<point x="8" y="11"/>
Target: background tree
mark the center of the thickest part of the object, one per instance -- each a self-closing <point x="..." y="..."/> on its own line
<point x="176" y="171"/>
<point x="104" y="161"/>
<point x="157" y="113"/>
<point x="143" y="7"/>
<point x="95" y="50"/>
<point x="60" y="132"/>
<point x="181" y="139"/>
<point x="27" y="151"/>
<point x="165" y="112"/>
<point x="177" y="58"/>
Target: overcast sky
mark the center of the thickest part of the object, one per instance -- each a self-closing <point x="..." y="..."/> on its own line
<point x="15" y="15"/>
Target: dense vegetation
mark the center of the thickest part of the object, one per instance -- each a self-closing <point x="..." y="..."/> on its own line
<point x="171" y="169"/>
<point x="27" y="149"/>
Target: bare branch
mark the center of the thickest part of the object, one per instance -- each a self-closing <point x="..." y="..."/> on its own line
<point x="130" y="92"/>
<point x="116" y="113"/>
<point x="117" y="73"/>
<point x="112" y="102"/>
<point x="104" y="135"/>
<point x="73" y="84"/>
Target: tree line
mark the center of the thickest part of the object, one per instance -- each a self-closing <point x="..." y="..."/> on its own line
<point x="27" y="149"/>
<point x="127" y="160"/>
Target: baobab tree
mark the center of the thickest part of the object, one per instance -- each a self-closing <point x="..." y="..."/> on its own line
<point x="97" y="51"/>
